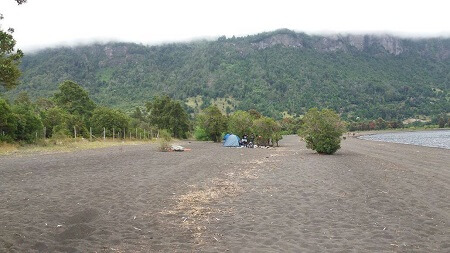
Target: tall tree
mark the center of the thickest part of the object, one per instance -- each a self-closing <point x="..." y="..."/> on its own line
<point x="213" y="122"/>
<point x="73" y="98"/>
<point x="9" y="57"/>
<point x="240" y="123"/>
<point x="166" y="113"/>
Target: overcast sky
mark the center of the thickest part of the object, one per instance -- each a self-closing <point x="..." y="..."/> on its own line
<point x="49" y="23"/>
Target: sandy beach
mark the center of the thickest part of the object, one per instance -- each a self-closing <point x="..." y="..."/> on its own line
<point x="368" y="197"/>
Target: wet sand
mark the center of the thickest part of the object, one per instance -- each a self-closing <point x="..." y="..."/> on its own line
<point x="370" y="196"/>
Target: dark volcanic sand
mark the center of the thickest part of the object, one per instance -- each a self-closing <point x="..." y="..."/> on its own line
<point x="370" y="196"/>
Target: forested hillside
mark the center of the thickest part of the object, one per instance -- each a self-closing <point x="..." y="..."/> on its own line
<point x="282" y="71"/>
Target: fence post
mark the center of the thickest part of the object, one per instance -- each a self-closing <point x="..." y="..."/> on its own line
<point x="136" y="133"/>
<point x="140" y="136"/>
<point x="75" y="131"/>
<point x="130" y="135"/>
<point x="104" y="133"/>
<point x="45" y="132"/>
<point x="151" y="134"/>
<point x="124" y="133"/>
<point x="90" y="133"/>
<point x="114" y="134"/>
<point x="144" y="133"/>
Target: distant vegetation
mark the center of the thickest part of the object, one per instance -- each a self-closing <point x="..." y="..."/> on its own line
<point x="277" y="73"/>
<point x="70" y="113"/>
<point x="261" y="85"/>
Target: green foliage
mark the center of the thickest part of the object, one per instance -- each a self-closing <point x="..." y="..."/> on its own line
<point x="258" y="72"/>
<point x="378" y="124"/>
<point x="164" y="140"/>
<point x="290" y="125"/>
<point x="74" y="99"/>
<point x="55" y="120"/>
<point x="110" y="119"/>
<point x="200" y="134"/>
<point x="240" y="123"/>
<point x="8" y="122"/>
<point x="441" y="120"/>
<point x="266" y="131"/>
<point x="9" y="60"/>
<point x="168" y="114"/>
<point x="213" y="122"/>
<point x="322" y="130"/>
<point x="9" y="57"/>
<point x="28" y="122"/>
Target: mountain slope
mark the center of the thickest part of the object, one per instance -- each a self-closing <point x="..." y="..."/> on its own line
<point x="282" y="71"/>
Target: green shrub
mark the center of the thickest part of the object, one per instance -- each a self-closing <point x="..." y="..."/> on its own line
<point x="200" y="134"/>
<point x="322" y="130"/>
<point x="164" y="140"/>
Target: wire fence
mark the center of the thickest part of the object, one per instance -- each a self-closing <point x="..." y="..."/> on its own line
<point x="107" y="134"/>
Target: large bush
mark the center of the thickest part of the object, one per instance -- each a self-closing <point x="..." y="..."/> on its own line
<point x="322" y="130"/>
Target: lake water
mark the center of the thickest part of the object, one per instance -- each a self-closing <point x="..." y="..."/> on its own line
<point x="437" y="139"/>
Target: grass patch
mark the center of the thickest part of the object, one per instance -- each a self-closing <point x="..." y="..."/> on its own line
<point x="63" y="145"/>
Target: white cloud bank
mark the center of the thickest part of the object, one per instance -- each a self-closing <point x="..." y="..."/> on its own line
<point x="44" y="23"/>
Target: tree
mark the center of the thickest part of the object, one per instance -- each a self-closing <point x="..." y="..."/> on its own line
<point x="74" y="99"/>
<point x="103" y="117"/>
<point x="9" y="57"/>
<point x="322" y="130"/>
<point x="255" y="114"/>
<point x="266" y="129"/>
<point x="56" y="120"/>
<point x="8" y="122"/>
<point x="137" y="114"/>
<point x="166" y="113"/>
<point x="22" y="98"/>
<point x="28" y="122"/>
<point x="213" y="122"/>
<point x="240" y="123"/>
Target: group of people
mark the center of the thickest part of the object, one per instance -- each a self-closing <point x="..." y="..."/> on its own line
<point x="247" y="141"/>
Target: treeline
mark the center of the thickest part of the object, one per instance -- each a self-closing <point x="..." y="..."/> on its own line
<point x="440" y="121"/>
<point x="379" y="124"/>
<point x="70" y="112"/>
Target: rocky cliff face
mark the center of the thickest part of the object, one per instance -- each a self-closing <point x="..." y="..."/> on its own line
<point x="439" y="48"/>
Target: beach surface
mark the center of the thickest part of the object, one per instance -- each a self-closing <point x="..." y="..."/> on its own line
<point x="368" y="197"/>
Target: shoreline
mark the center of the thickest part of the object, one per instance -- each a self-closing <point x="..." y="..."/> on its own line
<point x="398" y="137"/>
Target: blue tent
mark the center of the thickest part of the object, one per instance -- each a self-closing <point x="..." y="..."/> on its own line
<point x="232" y="141"/>
<point x="226" y="136"/>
